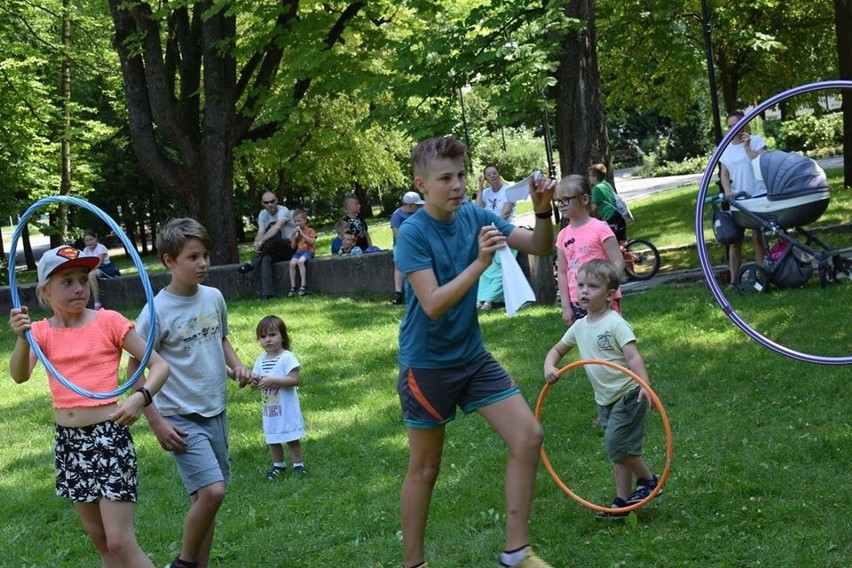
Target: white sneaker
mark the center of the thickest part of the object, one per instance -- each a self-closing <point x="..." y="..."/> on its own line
<point x="485" y="306"/>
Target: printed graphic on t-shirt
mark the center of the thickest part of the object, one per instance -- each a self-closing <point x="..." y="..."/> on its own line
<point x="201" y="330"/>
<point x="606" y="341"/>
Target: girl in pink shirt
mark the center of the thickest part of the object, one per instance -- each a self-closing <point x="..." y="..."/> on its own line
<point x="94" y="456"/>
<point x="584" y="238"/>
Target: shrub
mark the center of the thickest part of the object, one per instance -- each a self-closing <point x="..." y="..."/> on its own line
<point x="812" y="134"/>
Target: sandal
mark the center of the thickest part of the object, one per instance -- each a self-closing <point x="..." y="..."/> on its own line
<point x="302" y="290"/>
<point x="291" y="292"/>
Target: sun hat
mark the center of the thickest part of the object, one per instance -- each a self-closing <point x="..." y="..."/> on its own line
<point x="62" y="258"/>
<point x="412" y="198"/>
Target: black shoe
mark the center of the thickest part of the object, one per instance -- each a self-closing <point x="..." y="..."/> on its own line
<point x="275" y="472"/>
<point x="245" y="268"/>
<point x="643" y="489"/>
<point x="300" y="470"/>
<point x="617" y="503"/>
<point x="398" y="299"/>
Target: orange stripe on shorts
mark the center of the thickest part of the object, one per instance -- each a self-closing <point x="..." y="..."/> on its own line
<point x="421" y="398"/>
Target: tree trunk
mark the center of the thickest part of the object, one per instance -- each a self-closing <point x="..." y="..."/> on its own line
<point x="185" y="150"/>
<point x="581" y="135"/>
<point x="58" y="238"/>
<point x="843" y="29"/>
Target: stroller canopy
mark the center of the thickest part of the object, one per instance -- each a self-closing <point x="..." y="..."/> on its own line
<point x="789" y="175"/>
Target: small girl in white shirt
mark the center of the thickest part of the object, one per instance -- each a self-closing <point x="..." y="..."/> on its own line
<point x="276" y="374"/>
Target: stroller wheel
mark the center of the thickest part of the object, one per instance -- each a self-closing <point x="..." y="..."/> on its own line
<point x="752" y="278"/>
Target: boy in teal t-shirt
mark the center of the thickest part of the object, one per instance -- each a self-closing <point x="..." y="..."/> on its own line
<point x="443" y="363"/>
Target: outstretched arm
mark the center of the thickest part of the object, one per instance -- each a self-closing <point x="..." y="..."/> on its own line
<point x="237" y="370"/>
<point x="556" y="353"/>
<point x="540" y="241"/>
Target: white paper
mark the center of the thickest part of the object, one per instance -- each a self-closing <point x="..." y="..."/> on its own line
<point x="516" y="289"/>
<point x="519" y="192"/>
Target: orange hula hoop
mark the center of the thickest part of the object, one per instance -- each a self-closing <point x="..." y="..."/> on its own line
<point x="666" y="425"/>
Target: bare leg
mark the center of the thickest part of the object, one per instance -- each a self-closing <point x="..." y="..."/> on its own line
<point x="759" y="248"/>
<point x="277" y="452"/>
<point x="93" y="285"/>
<point x="734" y="260"/>
<point x="200" y="524"/>
<point x="397" y="280"/>
<point x="424" y="462"/>
<point x="303" y="272"/>
<point x="110" y="526"/>
<point x="514" y="422"/>
<point x="295" y="450"/>
<point x="624" y="472"/>
<point x="293" y="273"/>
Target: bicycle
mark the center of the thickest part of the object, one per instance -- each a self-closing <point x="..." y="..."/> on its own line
<point x="641" y="259"/>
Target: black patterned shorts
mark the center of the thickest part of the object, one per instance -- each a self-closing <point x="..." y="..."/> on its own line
<point x="94" y="462"/>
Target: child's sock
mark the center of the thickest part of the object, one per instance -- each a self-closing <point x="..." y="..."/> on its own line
<point x="280" y="464"/>
<point x="512" y="557"/>
<point x="298" y="464"/>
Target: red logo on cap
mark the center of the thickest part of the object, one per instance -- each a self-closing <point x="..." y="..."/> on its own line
<point x="69" y="253"/>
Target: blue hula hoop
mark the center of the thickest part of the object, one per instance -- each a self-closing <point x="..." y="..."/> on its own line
<point x="707" y="267"/>
<point x="146" y="284"/>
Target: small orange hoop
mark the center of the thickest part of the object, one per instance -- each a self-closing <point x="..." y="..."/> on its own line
<point x="657" y="404"/>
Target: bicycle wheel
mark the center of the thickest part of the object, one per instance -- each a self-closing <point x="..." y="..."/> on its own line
<point x="641" y="259"/>
<point x="752" y="278"/>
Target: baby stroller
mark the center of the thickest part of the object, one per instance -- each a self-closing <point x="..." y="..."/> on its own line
<point x="797" y="194"/>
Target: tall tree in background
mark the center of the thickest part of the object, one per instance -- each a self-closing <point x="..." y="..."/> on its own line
<point x="580" y="125"/>
<point x="198" y="83"/>
<point x="843" y="29"/>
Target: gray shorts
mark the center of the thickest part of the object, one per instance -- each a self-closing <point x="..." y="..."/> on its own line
<point x="429" y="397"/>
<point x="623" y="424"/>
<point x="95" y="461"/>
<point x="206" y="459"/>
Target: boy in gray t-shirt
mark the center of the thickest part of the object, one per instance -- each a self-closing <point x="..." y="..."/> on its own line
<point x="189" y="418"/>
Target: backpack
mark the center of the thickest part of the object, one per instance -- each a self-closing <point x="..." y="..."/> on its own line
<point x="621" y="207"/>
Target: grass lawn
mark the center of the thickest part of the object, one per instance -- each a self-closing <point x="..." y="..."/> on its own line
<point x="760" y="475"/>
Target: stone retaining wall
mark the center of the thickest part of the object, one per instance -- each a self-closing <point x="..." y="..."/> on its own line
<point x="341" y="276"/>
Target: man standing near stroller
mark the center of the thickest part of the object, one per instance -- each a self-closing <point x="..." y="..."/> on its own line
<point x="738" y="180"/>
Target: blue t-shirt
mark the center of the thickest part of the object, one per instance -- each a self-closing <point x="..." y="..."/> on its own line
<point x="399" y="217"/>
<point x="447" y="248"/>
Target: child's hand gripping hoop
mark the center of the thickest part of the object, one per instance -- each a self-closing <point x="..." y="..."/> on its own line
<point x="657" y="404"/>
<point x="146" y="284"/>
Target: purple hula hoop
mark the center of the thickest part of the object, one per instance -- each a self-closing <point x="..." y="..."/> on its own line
<point x="699" y="229"/>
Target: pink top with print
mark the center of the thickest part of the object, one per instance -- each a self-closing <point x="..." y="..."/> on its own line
<point x="580" y="245"/>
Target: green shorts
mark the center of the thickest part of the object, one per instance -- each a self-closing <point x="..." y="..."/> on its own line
<point x="623" y="424"/>
<point x="429" y="397"/>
